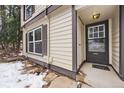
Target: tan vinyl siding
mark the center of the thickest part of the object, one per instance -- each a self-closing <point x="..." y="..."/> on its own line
<point x="61" y="37"/>
<point x="115" y="40"/>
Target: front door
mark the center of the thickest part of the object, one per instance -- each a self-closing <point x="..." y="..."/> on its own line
<point x="97" y="42"/>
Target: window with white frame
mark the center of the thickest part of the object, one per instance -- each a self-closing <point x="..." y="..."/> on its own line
<point x="35" y="41"/>
<point x="29" y="10"/>
<point x="96" y="31"/>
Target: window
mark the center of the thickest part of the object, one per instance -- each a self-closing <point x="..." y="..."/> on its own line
<point x="29" y="10"/>
<point x="96" y="41"/>
<point x="96" y="31"/>
<point x="35" y="41"/>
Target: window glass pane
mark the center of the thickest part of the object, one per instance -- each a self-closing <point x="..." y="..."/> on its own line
<point x="31" y="36"/>
<point x="31" y="46"/>
<point x="95" y="35"/>
<point x="28" y="11"/>
<point x="90" y="30"/>
<point x="95" y="29"/>
<point x="38" y="34"/>
<point x="101" y="34"/>
<point x="101" y="28"/>
<point x="90" y="36"/>
<point x="38" y="47"/>
<point x="96" y="45"/>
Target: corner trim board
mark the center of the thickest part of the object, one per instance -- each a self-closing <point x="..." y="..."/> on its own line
<point x="121" y="28"/>
<point x="74" y="39"/>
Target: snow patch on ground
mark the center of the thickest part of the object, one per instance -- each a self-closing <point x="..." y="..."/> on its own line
<point x="11" y="77"/>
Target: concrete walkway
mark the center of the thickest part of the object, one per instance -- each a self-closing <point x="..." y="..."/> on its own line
<point x="101" y="78"/>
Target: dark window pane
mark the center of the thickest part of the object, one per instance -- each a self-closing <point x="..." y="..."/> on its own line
<point x="95" y="34"/>
<point x="100" y="28"/>
<point x="96" y="29"/>
<point x="31" y="36"/>
<point x="31" y="47"/>
<point x="29" y="11"/>
<point x="38" y="34"/>
<point x="38" y="47"/>
<point x="101" y="34"/>
<point x="90" y="35"/>
<point x="90" y="30"/>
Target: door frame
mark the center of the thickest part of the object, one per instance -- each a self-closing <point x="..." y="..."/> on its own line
<point x="106" y="22"/>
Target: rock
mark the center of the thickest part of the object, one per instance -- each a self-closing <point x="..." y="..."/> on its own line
<point x="28" y="86"/>
<point x="85" y="86"/>
<point x="79" y="84"/>
<point x="46" y="85"/>
<point x="80" y="77"/>
<point x="33" y="70"/>
<point x="63" y="82"/>
<point x="50" y="76"/>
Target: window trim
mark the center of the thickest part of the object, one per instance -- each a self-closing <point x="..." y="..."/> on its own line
<point x="33" y="30"/>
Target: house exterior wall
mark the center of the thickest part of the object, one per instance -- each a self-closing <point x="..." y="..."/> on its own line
<point x="59" y="38"/>
<point x="115" y="39"/>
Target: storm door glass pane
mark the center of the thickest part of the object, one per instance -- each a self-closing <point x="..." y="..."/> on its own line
<point x="95" y="35"/>
<point x="101" y="28"/>
<point x="96" y="29"/>
<point x="90" y="33"/>
<point x="90" y="30"/>
<point x="96" y="45"/>
<point x="101" y="34"/>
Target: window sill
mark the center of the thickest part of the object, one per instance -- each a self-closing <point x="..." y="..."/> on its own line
<point x="37" y="54"/>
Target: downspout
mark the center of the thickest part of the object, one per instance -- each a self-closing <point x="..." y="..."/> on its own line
<point x="48" y="39"/>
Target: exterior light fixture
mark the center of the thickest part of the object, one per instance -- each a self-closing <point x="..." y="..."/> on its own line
<point x="96" y="16"/>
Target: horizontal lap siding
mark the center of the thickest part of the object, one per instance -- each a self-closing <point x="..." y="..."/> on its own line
<point x="115" y="41"/>
<point x="61" y="38"/>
